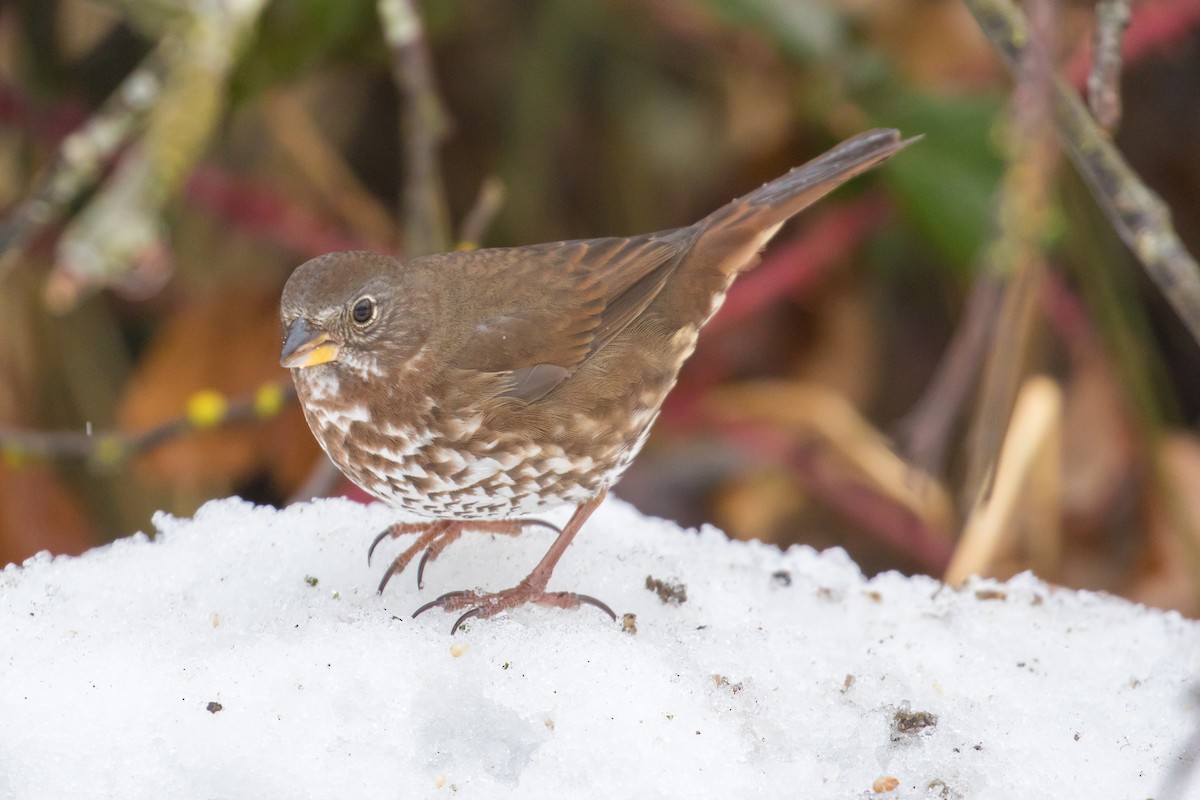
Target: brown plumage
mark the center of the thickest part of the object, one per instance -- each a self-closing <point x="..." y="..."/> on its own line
<point x="478" y="388"/>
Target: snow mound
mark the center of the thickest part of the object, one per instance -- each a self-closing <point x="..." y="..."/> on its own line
<point x="245" y="654"/>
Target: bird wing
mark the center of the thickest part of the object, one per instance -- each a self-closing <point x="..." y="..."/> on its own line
<point x="561" y="304"/>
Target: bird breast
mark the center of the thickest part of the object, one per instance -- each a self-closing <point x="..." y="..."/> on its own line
<point x="461" y="466"/>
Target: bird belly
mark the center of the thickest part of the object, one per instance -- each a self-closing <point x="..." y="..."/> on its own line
<point x="483" y="477"/>
<point x="467" y="466"/>
<point x="448" y="482"/>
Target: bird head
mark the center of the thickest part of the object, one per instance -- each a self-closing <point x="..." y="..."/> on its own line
<point x="344" y="311"/>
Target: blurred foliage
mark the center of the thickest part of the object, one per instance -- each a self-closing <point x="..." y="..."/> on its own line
<point x="298" y="37"/>
<point x="946" y="189"/>
<point x="602" y="117"/>
<point x="803" y="31"/>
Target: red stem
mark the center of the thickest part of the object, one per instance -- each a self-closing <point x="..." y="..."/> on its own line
<point x="263" y="211"/>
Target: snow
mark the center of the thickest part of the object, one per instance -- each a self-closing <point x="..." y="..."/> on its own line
<point x="780" y="675"/>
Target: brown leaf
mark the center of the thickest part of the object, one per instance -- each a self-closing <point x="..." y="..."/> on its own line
<point x="229" y="343"/>
<point x="38" y="512"/>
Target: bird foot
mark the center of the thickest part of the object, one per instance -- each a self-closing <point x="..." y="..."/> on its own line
<point x="436" y="535"/>
<point x="481" y="605"/>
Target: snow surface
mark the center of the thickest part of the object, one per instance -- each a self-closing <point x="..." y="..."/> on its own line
<point x="780" y="675"/>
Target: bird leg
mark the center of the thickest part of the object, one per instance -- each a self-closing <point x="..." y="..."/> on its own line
<point x="480" y="604"/>
<point x="436" y="535"/>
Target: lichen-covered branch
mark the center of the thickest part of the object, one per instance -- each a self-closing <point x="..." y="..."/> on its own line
<point x="117" y="239"/>
<point x="1138" y="215"/>
<point x="83" y="154"/>
<point x="152" y="17"/>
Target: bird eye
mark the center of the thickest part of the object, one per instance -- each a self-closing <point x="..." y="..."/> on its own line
<point x="363" y="311"/>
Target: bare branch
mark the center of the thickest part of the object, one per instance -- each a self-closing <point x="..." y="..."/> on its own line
<point x="479" y="218"/>
<point x="117" y="240"/>
<point x="109" y="449"/>
<point x="927" y="428"/>
<point x="424" y="127"/>
<point x="1138" y="215"/>
<point x="1104" y="92"/>
<point x="295" y="131"/>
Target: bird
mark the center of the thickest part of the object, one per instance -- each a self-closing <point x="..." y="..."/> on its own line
<point x="477" y="389"/>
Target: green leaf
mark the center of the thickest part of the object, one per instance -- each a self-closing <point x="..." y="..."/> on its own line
<point x="296" y="35"/>
<point x="945" y="184"/>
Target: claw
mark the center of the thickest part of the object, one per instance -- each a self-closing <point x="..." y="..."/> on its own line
<point x="421" y="568"/>
<point x="375" y="543"/>
<point x="487" y="605"/>
<point x="387" y="576"/>
<point x="393" y="530"/>
<point x="587" y="599"/>
<point x="471" y="612"/>
<point x="477" y="604"/>
<point x="437" y="601"/>
<point x="541" y="523"/>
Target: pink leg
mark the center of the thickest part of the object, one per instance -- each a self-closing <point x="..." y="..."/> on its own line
<point x="435" y="536"/>
<point x="531" y="590"/>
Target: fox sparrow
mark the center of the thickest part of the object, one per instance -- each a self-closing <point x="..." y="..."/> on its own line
<point x="479" y="388"/>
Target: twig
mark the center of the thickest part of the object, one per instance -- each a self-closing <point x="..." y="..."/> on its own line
<point x="809" y="412"/>
<point x="479" y="218"/>
<point x="1138" y="215"/>
<point x="1104" y="91"/>
<point x="926" y="429"/>
<point x="424" y="127"/>
<point x="323" y="165"/>
<point x="205" y="409"/>
<point x="1015" y="256"/>
<point x="152" y="17"/>
<point x="1154" y="28"/>
<point x="846" y="491"/>
<point x="863" y="505"/>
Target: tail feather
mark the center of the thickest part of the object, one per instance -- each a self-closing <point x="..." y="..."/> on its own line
<point x="734" y="233"/>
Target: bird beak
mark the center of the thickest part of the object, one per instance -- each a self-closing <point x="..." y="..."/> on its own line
<point x="305" y="347"/>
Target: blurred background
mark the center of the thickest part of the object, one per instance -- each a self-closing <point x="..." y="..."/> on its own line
<point x="952" y="365"/>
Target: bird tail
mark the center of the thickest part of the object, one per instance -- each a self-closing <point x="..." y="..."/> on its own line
<point x="732" y="236"/>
